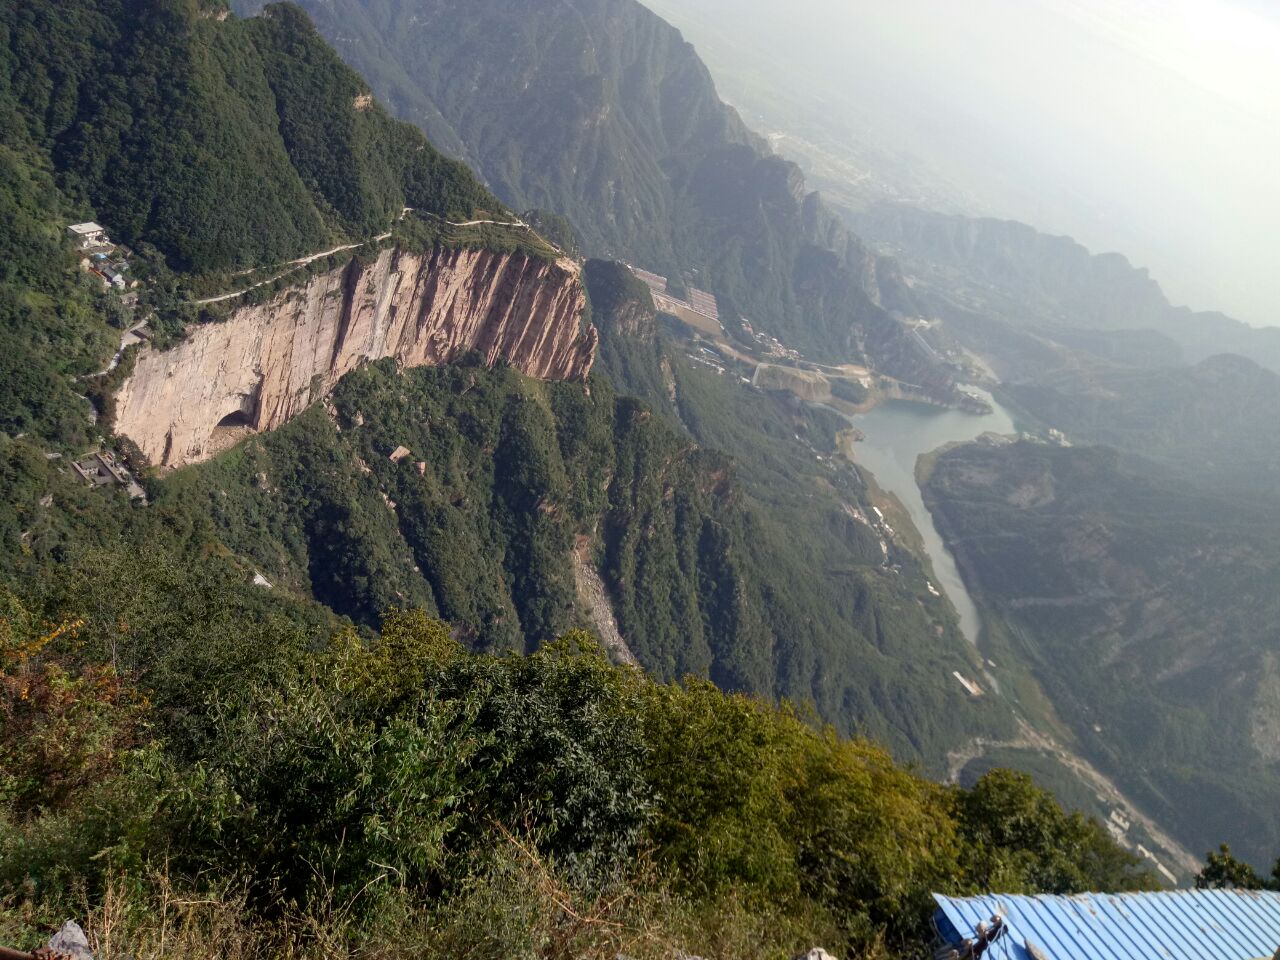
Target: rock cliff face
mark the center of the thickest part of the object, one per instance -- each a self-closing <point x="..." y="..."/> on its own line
<point x="268" y="362"/>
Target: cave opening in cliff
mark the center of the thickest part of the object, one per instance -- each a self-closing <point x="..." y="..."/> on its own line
<point x="229" y="431"/>
<point x="236" y="419"/>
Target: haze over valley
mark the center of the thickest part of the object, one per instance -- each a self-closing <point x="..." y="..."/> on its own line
<point x="1135" y="127"/>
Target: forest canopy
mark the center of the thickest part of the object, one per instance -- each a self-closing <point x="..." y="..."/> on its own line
<point x="396" y="792"/>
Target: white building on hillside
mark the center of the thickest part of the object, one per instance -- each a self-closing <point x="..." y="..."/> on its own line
<point x="88" y="235"/>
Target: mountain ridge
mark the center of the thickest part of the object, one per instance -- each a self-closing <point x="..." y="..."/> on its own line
<point x="601" y="112"/>
<point x="169" y="170"/>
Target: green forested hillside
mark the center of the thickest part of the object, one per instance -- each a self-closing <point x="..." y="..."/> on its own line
<point x="706" y="578"/>
<point x="55" y="325"/>
<point x="835" y="577"/>
<point x="223" y="143"/>
<point x="601" y="112"/>
<point x="407" y="798"/>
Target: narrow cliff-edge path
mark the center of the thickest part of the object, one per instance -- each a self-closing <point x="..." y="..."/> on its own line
<point x="517" y="224"/>
<point x="310" y="258"/>
<point x="293" y="265"/>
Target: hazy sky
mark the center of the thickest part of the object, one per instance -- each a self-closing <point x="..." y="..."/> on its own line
<point x="1147" y="126"/>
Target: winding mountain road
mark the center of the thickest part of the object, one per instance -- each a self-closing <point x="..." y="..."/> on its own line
<point x="293" y="265"/>
<point x="310" y="258"/>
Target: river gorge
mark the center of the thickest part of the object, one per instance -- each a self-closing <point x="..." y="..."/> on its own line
<point x="896" y="434"/>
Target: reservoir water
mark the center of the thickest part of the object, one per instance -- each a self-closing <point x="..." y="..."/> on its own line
<point x="897" y="432"/>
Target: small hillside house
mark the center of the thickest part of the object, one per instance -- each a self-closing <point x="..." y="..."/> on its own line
<point x="88" y="235"/>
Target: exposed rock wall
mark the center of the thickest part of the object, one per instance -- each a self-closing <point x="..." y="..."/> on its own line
<point x="266" y="363"/>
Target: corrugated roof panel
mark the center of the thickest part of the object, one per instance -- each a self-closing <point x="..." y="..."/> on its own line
<point x="1170" y="925"/>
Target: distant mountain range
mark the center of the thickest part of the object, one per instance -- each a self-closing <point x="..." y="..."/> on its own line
<point x="1054" y="282"/>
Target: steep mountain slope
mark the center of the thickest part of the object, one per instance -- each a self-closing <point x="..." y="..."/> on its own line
<point x="507" y="477"/>
<point x="600" y="111"/>
<point x="834" y="577"/>
<point x="224" y="143"/>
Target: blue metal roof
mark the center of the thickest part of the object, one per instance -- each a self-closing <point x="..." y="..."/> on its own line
<point x="1172" y="925"/>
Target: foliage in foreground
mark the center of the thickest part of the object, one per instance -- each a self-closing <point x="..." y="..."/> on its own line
<point x="406" y="797"/>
